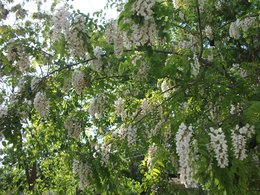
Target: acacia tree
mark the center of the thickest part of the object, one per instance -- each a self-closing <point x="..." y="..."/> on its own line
<point x="162" y="100"/>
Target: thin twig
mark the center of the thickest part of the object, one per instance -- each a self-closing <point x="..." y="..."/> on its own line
<point x="200" y="30"/>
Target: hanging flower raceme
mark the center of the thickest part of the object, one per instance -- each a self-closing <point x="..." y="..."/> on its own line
<point x="77" y="34"/>
<point x="3" y="111"/>
<point x="183" y="141"/>
<point x="120" y="108"/>
<point x="208" y="32"/>
<point x="96" y="106"/>
<point x="131" y="135"/>
<point x="98" y="52"/>
<point x="105" y="153"/>
<point x="78" y="81"/>
<point x="219" y="145"/>
<point x="152" y="151"/>
<point x="83" y="170"/>
<point x="41" y="104"/>
<point x="243" y="25"/>
<point x="166" y="88"/>
<point x="120" y="132"/>
<point x="145" y="34"/>
<point x="35" y="83"/>
<point x="176" y="4"/>
<point x="61" y="24"/>
<point x="239" y="136"/>
<point x="144" y="8"/>
<point x="23" y="63"/>
<point x="73" y="125"/>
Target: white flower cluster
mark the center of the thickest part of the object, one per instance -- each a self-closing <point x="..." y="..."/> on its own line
<point x="219" y="145"/>
<point x="96" y="107"/>
<point x="98" y="52"/>
<point x="105" y="153"/>
<point x="236" y="69"/>
<point x="235" y="109"/>
<point x="75" y="39"/>
<point x="239" y="136"/>
<point x="152" y="151"/>
<point x="183" y="141"/>
<point x="195" y="66"/>
<point x="156" y="129"/>
<point x="78" y="81"/>
<point x="35" y="83"/>
<point x="244" y="25"/>
<point x="131" y="135"/>
<point x="41" y="104"/>
<point x="61" y="23"/>
<point x="121" y="132"/>
<point x="11" y="51"/>
<point x="145" y="34"/>
<point x="113" y="35"/>
<point x="144" y="8"/>
<point x="120" y="108"/>
<point x="23" y="63"/>
<point x="208" y="32"/>
<point x="73" y="126"/>
<point x="165" y="86"/>
<point x="188" y="43"/>
<point x="111" y="31"/>
<point x="202" y="4"/>
<point x="176" y="4"/>
<point x="96" y="65"/>
<point x="83" y="170"/>
<point x="3" y="111"/>
<point x="118" y="44"/>
<point x="146" y="106"/>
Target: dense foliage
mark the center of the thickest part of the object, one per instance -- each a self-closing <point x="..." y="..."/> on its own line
<point x="163" y="100"/>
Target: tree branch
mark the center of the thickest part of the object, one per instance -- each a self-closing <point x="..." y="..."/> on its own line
<point x="200" y="30"/>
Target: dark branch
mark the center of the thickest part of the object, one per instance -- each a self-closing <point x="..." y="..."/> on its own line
<point x="200" y="31"/>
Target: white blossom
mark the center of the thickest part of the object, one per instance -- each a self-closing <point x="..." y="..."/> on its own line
<point x="183" y="149"/>
<point x="131" y="135"/>
<point x="208" y="32"/>
<point x="152" y="151"/>
<point x="83" y="170"/>
<point x="195" y="66"/>
<point x="156" y="129"/>
<point x="3" y="111"/>
<point x="165" y="88"/>
<point x="111" y="31"/>
<point x="35" y="83"/>
<point x="78" y="81"/>
<point x="41" y="104"/>
<point x="105" y="153"/>
<point x="145" y="34"/>
<point x="23" y="63"/>
<point x="96" y="106"/>
<point x="96" y="65"/>
<point x="120" y="132"/>
<point x="146" y="106"/>
<point x="76" y="36"/>
<point x="73" y="126"/>
<point x="144" y="8"/>
<point x="239" y="136"/>
<point x="98" y="52"/>
<point x="120" y="108"/>
<point x="11" y="51"/>
<point x="176" y="4"/>
<point x="236" y="69"/>
<point x="234" y="30"/>
<point x="219" y="145"/>
<point x="61" y="24"/>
